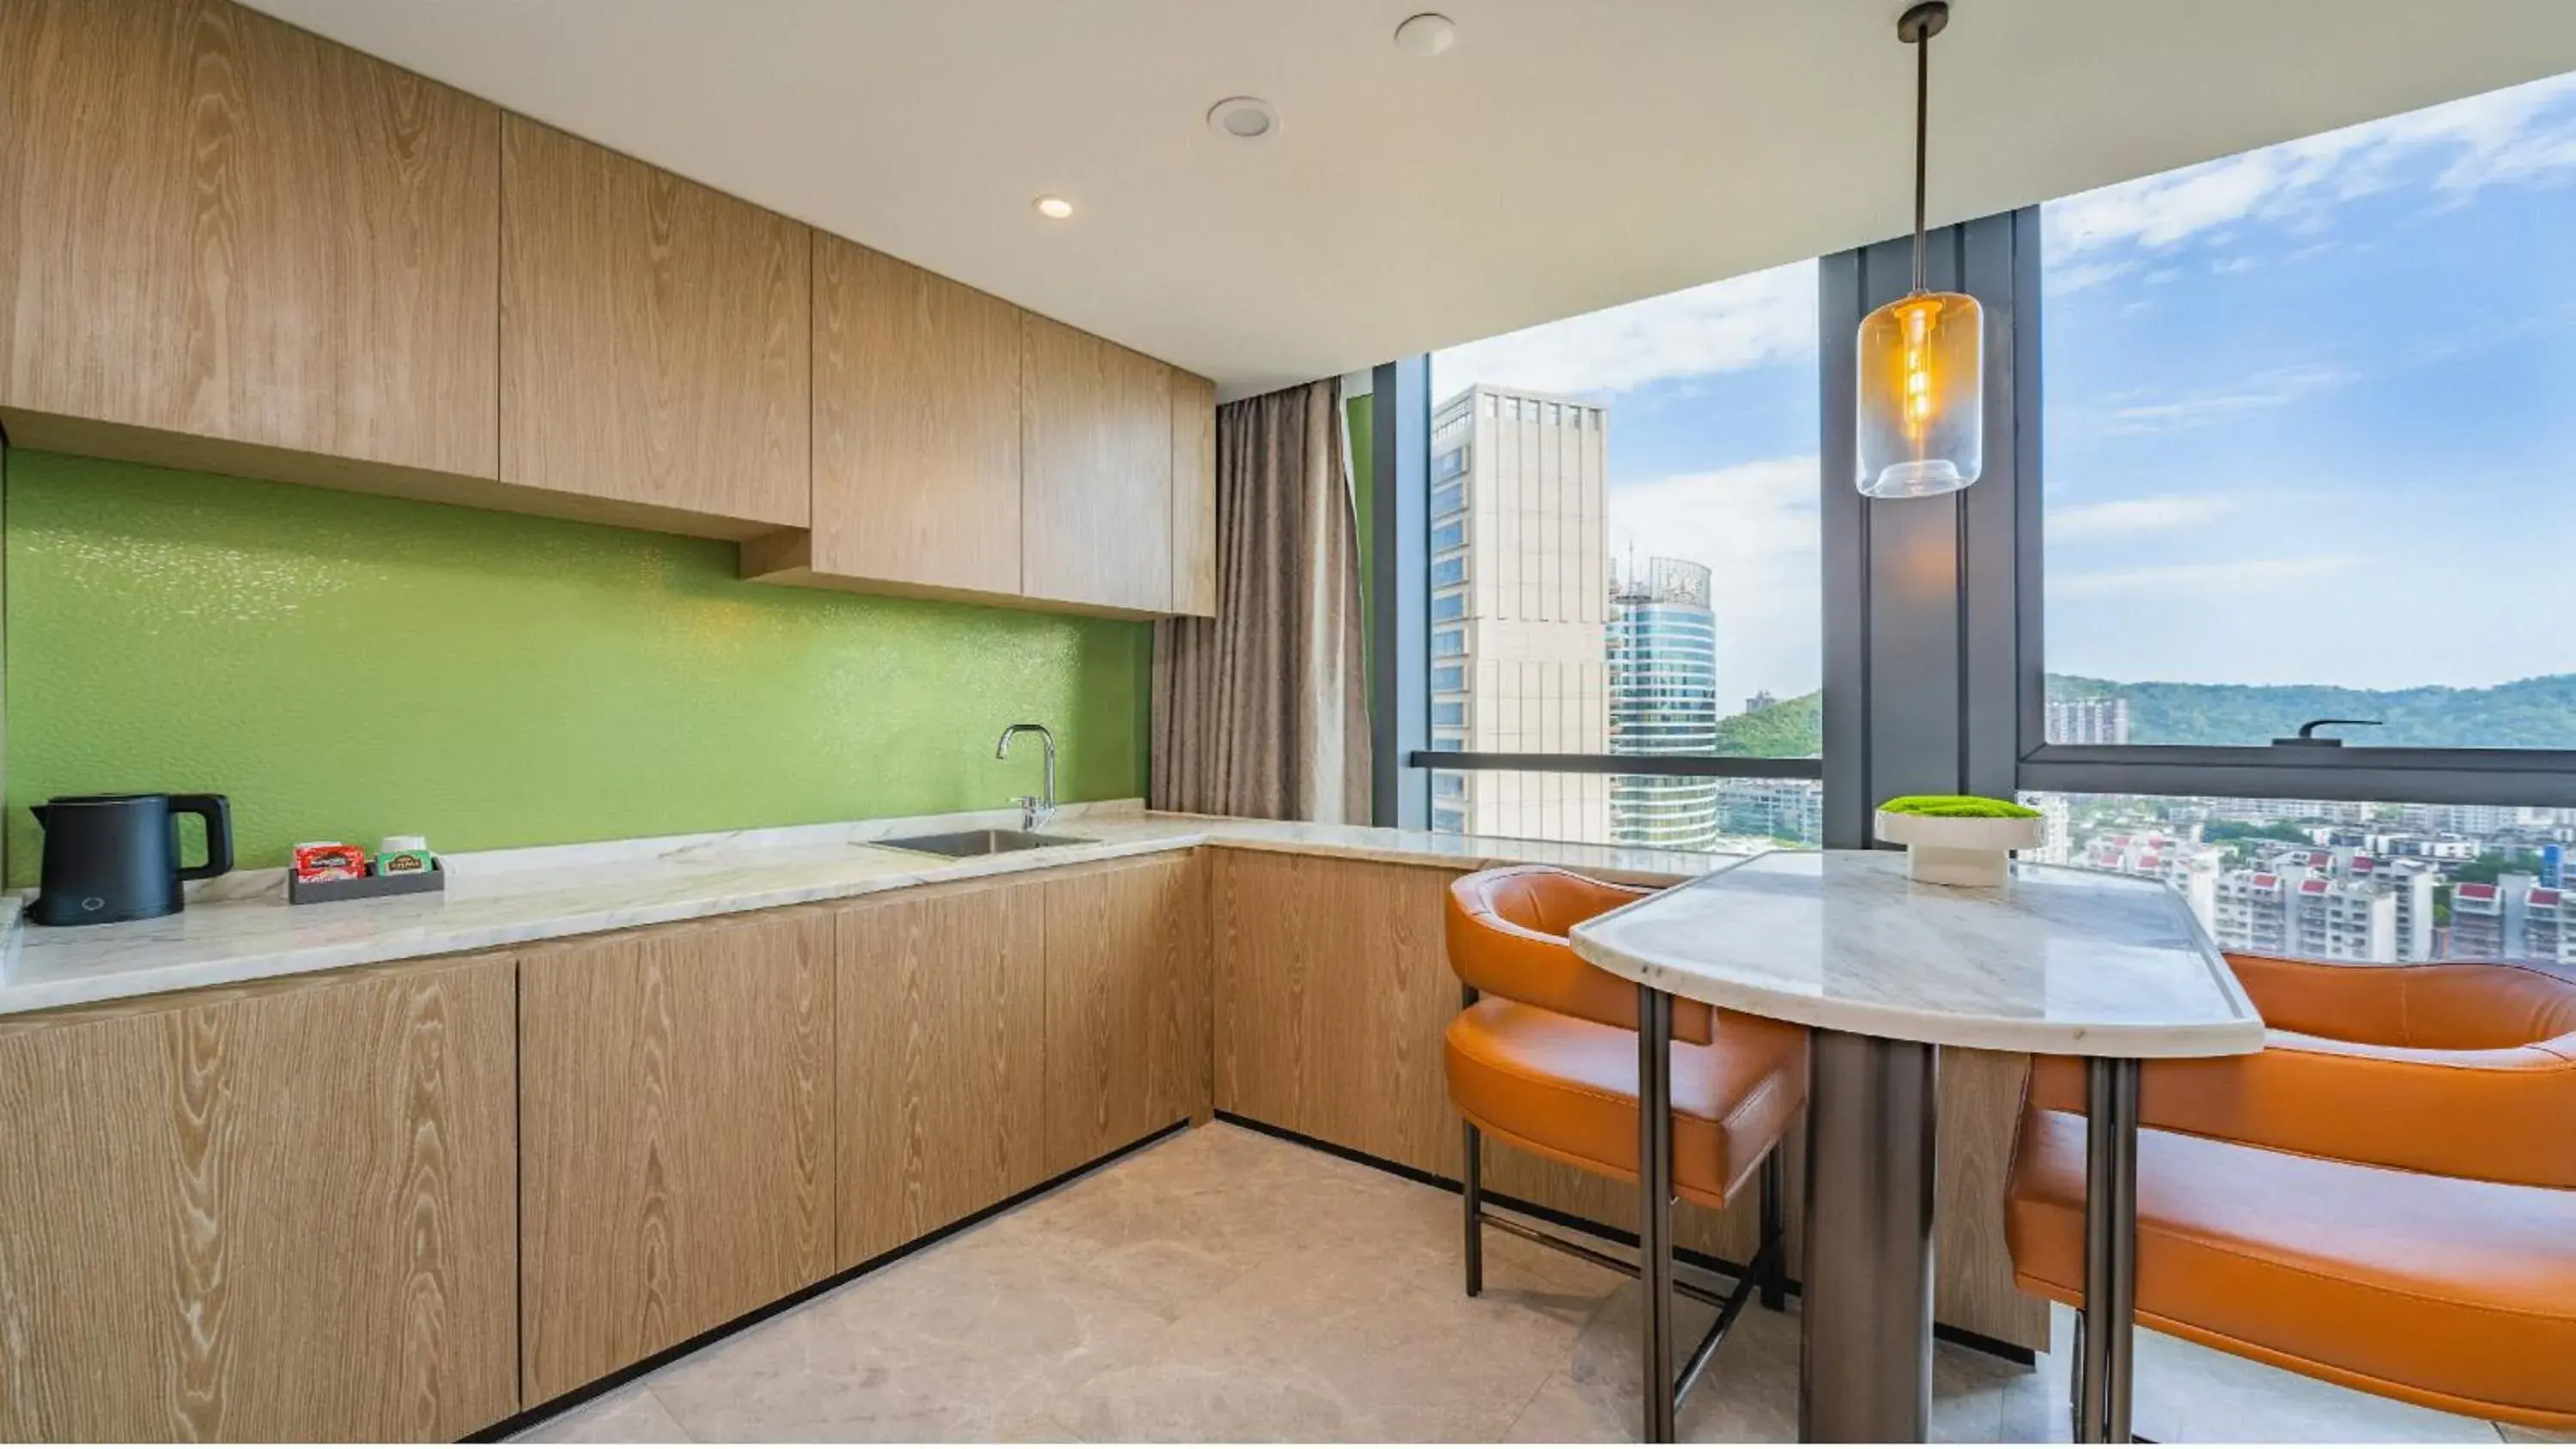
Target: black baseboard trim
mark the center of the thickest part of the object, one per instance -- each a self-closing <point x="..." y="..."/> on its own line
<point x="2010" y="1352"/>
<point x="531" y="1417"/>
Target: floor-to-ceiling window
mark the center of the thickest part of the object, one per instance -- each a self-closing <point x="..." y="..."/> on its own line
<point x="1624" y="552"/>
<point x="2305" y="430"/>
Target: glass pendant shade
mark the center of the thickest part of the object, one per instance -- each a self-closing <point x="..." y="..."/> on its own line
<point x="1922" y="396"/>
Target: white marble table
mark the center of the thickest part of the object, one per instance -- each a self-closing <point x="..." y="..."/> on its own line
<point x="1886" y="971"/>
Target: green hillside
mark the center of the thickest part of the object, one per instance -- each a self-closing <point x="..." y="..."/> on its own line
<point x="2524" y="714"/>
<point x="1791" y="729"/>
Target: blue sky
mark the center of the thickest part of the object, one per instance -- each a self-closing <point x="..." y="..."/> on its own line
<point x="2310" y="416"/>
<point x="2311" y="411"/>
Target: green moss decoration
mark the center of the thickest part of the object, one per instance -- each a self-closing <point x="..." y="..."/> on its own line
<point x="1959" y="807"/>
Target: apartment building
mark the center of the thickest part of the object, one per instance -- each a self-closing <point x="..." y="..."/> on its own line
<point x="2096" y="721"/>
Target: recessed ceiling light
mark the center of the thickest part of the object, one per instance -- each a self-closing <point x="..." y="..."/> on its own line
<point x="1053" y="208"/>
<point x="1426" y="35"/>
<point x="1243" y="118"/>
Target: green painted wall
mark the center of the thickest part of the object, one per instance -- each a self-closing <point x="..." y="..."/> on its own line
<point x="347" y="667"/>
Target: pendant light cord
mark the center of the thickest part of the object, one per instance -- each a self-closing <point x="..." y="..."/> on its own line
<point x="1922" y="125"/>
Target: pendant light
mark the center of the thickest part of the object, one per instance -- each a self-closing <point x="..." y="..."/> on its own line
<point x="1922" y="357"/>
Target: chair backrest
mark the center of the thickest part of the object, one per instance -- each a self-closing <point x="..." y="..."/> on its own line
<point x="1506" y="932"/>
<point x="2439" y="1006"/>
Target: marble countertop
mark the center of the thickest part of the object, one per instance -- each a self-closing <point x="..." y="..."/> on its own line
<point x="239" y="928"/>
<point x="2063" y="961"/>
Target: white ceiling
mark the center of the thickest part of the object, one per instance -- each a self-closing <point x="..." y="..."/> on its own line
<point x="1565" y="155"/>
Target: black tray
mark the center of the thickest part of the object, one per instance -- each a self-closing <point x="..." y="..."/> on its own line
<point x="365" y="887"/>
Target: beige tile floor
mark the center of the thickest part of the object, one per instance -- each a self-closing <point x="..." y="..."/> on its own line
<point x="1224" y="1285"/>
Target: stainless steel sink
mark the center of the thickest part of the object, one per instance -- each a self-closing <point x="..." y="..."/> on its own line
<point x="956" y="844"/>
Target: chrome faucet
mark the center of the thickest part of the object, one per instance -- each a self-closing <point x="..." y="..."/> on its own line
<point x="1035" y="810"/>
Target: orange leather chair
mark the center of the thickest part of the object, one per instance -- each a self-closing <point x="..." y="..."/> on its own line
<point x="2384" y="1197"/>
<point x="1544" y="1057"/>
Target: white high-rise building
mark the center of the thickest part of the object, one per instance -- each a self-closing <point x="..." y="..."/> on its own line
<point x="1519" y="604"/>
<point x="2100" y="721"/>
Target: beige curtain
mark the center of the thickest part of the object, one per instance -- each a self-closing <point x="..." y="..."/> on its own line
<point x="1261" y="711"/>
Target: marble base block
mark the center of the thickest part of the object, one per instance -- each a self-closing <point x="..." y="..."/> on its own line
<point x="1956" y="865"/>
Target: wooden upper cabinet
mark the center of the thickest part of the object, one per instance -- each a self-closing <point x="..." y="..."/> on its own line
<point x="655" y="341"/>
<point x="916" y="427"/>
<point x="276" y="1211"/>
<point x="1096" y="472"/>
<point x="675" y="1136"/>
<point x="1193" y="494"/>
<point x="214" y="224"/>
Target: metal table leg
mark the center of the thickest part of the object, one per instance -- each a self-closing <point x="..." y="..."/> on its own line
<point x="2105" y="1363"/>
<point x="1655" y="1207"/>
<point x="1865" y="1356"/>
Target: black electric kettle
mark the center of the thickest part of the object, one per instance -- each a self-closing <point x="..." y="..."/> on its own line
<point x="116" y="857"/>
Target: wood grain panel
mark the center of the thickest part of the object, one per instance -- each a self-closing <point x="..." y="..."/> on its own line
<point x="1972" y="1284"/>
<point x="280" y="1214"/>
<point x="215" y="224"/>
<point x="916" y="425"/>
<point x="655" y="336"/>
<point x="1121" y="958"/>
<point x="676" y="1136"/>
<point x="1193" y="494"/>
<point x="1333" y="991"/>
<point x="941" y="1003"/>
<point x="1095" y="471"/>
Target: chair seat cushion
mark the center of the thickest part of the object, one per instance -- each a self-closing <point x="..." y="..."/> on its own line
<point x="2456" y="1294"/>
<point x="1567" y="1088"/>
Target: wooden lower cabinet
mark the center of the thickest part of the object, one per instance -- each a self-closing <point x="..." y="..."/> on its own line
<point x="280" y="1211"/>
<point x="1126" y="1025"/>
<point x="1333" y="993"/>
<point x="941" y="1079"/>
<point x="676" y="1126"/>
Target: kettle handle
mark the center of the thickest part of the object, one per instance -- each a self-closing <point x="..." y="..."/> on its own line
<point x="217" y="812"/>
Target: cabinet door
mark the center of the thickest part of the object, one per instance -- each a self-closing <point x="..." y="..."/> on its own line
<point x="916" y="426"/>
<point x="280" y="1212"/>
<point x="1126" y="1029"/>
<point x="675" y="1128"/>
<point x="1096" y="471"/>
<point x="1333" y="992"/>
<point x="655" y="339"/>
<point x="215" y="224"/>
<point x="941" y="1002"/>
<point x="1193" y="495"/>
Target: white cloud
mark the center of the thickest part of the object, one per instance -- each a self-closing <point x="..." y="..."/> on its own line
<point x="2146" y="585"/>
<point x="2523" y="134"/>
<point x="1724" y="326"/>
<point x="2269" y="388"/>
<point x="2126" y="517"/>
<point x="2083" y="275"/>
<point x="1755" y="526"/>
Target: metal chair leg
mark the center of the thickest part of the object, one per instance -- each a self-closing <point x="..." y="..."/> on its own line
<point x="1655" y="1207"/>
<point x="1474" y="1177"/>
<point x="1773" y="1249"/>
